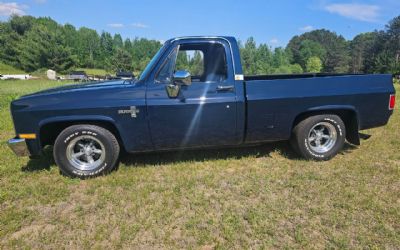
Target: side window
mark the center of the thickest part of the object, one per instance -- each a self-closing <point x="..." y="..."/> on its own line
<point x="165" y="73"/>
<point x="206" y="62"/>
<point x="192" y="61"/>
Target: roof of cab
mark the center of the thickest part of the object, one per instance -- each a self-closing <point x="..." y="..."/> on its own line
<point x="228" y="38"/>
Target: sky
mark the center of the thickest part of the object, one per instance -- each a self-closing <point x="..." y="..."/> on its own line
<point x="271" y="22"/>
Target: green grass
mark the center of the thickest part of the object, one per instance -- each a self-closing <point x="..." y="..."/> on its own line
<point x="99" y="72"/>
<point x="9" y="70"/>
<point x="260" y="197"/>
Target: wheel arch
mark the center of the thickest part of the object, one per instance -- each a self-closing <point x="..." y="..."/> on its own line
<point x="49" y="129"/>
<point x="348" y="114"/>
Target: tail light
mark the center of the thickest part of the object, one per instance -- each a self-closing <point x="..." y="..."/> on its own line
<point x="392" y="101"/>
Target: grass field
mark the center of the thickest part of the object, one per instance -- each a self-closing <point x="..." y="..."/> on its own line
<point x="9" y="70"/>
<point x="260" y="197"/>
<point x="97" y="72"/>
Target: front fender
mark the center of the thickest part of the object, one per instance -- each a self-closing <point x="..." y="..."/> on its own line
<point x="73" y="118"/>
<point x="54" y="125"/>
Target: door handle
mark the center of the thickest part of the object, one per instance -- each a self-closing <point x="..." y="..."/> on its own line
<point x="225" y="88"/>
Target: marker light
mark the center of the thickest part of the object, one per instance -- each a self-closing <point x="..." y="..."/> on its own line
<point x="27" y="136"/>
<point x="392" y="101"/>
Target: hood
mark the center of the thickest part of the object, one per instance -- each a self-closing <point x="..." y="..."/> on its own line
<point x="80" y="96"/>
<point x="82" y="87"/>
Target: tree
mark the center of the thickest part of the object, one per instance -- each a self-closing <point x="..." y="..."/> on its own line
<point x="196" y="63"/>
<point x="308" y="49"/>
<point x="264" y="60"/>
<point x="88" y="47"/>
<point x="261" y="60"/>
<point x="21" y="24"/>
<point x="42" y="48"/>
<point x="128" y="45"/>
<point x="314" y="65"/>
<point x="121" y="61"/>
<point x="118" y="43"/>
<point x="280" y="59"/>
<point x="296" y="69"/>
<point x="248" y="56"/>
<point x="106" y="50"/>
<point x="182" y="62"/>
<point x="106" y="44"/>
<point x="9" y="39"/>
<point x="383" y="50"/>
<point x="70" y="37"/>
<point x="336" y="58"/>
<point x="361" y="52"/>
<point x="142" y="52"/>
<point x="393" y="34"/>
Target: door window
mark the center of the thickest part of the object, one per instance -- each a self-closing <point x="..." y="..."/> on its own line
<point x="206" y="62"/>
<point x="192" y="61"/>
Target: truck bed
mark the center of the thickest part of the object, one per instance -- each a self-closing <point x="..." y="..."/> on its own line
<point x="274" y="101"/>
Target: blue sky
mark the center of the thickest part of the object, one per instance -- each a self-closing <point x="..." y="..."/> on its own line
<point x="272" y="22"/>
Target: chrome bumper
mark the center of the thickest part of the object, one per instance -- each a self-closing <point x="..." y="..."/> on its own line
<point x="18" y="146"/>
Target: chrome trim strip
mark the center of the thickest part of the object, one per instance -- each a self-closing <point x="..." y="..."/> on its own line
<point x="210" y="37"/>
<point x="18" y="146"/>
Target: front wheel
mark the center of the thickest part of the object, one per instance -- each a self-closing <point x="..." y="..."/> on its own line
<point x="86" y="151"/>
<point x="319" y="137"/>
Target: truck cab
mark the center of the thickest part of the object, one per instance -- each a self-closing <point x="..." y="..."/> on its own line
<point x="206" y="111"/>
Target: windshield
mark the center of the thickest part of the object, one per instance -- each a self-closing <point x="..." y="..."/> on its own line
<point x="152" y="62"/>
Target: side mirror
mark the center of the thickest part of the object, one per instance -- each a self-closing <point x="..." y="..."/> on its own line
<point x="172" y="90"/>
<point x="182" y="77"/>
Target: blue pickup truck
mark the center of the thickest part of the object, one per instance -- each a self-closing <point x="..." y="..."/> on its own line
<point x="215" y="105"/>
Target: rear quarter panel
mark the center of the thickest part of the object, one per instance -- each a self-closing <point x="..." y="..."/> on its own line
<point x="273" y="105"/>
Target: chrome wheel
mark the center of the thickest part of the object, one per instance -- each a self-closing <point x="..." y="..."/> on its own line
<point x="86" y="152"/>
<point x="322" y="137"/>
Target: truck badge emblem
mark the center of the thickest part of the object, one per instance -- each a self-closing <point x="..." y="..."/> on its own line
<point x="133" y="111"/>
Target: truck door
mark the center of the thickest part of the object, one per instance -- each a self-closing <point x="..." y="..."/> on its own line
<point x="204" y="113"/>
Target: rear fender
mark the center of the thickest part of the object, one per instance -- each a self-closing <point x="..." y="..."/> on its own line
<point x="347" y="113"/>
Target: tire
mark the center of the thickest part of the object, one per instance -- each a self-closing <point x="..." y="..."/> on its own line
<point x="319" y="137"/>
<point x="86" y="151"/>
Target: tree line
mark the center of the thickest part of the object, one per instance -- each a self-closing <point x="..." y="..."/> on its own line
<point x="33" y="44"/>
<point x="325" y="51"/>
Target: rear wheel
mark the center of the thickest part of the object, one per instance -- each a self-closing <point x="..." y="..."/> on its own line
<point x="319" y="137"/>
<point x="86" y="151"/>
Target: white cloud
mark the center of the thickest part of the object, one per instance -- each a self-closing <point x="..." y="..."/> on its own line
<point x="140" y="25"/>
<point x="12" y="8"/>
<point x="116" y="25"/>
<point x="274" y="41"/>
<point x="306" y="28"/>
<point x="361" y="12"/>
